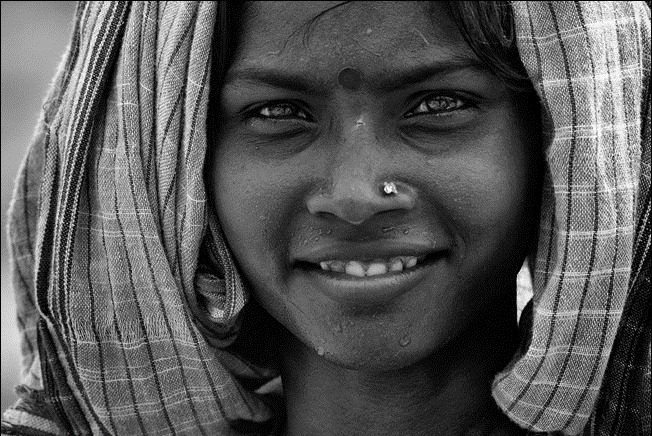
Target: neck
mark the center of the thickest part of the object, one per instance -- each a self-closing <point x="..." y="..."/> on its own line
<point x="449" y="392"/>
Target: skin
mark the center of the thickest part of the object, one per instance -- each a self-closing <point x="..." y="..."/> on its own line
<point x="294" y="169"/>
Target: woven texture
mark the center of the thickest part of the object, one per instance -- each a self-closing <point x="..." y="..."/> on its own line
<point x="590" y="64"/>
<point x="129" y="301"/>
<point x="108" y="251"/>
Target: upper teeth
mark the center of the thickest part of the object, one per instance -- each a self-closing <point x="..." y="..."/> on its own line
<point x="376" y="267"/>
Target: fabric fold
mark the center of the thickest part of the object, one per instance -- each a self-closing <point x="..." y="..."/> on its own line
<point x="133" y="314"/>
<point x="588" y="64"/>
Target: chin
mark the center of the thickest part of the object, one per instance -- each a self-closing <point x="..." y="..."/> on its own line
<point x="366" y="355"/>
<point x="372" y="363"/>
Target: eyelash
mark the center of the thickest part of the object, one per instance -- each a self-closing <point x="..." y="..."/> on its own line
<point x="424" y="104"/>
<point x="293" y="107"/>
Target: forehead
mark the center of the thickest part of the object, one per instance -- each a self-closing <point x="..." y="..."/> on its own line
<point x="324" y="37"/>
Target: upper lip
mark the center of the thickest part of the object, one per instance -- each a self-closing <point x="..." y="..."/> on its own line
<point x="382" y="249"/>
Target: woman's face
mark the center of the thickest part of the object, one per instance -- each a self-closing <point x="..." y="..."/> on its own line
<point x="313" y="122"/>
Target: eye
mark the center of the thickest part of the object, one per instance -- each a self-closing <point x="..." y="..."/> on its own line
<point x="282" y="110"/>
<point x="278" y="119"/>
<point x="438" y="105"/>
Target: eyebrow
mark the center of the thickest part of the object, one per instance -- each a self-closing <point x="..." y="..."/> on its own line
<point x="303" y="82"/>
<point x="307" y="82"/>
<point x="426" y="72"/>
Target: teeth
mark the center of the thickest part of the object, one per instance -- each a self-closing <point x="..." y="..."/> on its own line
<point x="375" y="269"/>
<point x="396" y="265"/>
<point x="366" y="269"/>
<point x="354" y="268"/>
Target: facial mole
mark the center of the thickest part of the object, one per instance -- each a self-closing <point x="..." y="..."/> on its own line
<point x="350" y="78"/>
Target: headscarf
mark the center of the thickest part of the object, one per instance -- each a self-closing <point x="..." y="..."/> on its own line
<point x="590" y="65"/>
<point x="131" y="308"/>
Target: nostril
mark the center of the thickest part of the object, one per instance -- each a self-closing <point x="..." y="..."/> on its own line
<point x="349" y="210"/>
<point x="356" y="204"/>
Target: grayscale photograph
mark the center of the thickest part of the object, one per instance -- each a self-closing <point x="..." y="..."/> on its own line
<point x="317" y="218"/>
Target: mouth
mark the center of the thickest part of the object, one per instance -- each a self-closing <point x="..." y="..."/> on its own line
<point x="367" y="282"/>
<point x="365" y="268"/>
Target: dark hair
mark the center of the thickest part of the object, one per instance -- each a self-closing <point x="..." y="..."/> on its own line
<point x="228" y="26"/>
<point x="488" y="28"/>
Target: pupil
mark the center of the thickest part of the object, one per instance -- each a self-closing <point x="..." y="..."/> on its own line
<point x="281" y="110"/>
<point x="439" y="103"/>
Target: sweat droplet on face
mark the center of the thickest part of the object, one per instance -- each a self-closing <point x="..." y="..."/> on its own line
<point x="320" y="351"/>
<point x="405" y="341"/>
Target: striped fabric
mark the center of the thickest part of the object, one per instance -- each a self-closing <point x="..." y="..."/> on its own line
<point x="590" y="64"/>
<point x="128" y="299"/>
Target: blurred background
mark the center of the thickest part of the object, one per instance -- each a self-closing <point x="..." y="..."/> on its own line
<point x="34" y="37"/>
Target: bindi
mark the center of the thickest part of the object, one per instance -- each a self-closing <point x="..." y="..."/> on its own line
<point x="349" y="78"/>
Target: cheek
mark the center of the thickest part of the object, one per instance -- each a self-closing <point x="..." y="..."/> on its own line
<point x="487" y="194"/>
<point x="247" y="205"/>
<point x="257" y="201"/>
<point x="233" y="185"/>
<point x="499" y="200"/>
<point x="506" y="193"/>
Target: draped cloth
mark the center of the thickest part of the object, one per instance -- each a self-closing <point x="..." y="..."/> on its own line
<point x="590" y="65"/>
<point x="130" y="304"/>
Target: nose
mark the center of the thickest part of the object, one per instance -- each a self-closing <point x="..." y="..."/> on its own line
<point x="359" y="201"/>
<point x="359" y="171"/>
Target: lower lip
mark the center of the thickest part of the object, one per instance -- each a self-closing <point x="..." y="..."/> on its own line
<point x="371" y="290"/>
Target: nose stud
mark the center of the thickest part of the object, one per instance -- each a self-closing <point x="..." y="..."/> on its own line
<point x="389" y="188"/>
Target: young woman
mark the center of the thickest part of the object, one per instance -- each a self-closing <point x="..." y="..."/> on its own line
<point x="308" y="218"/>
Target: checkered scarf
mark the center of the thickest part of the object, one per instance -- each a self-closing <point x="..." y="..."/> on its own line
<point x="129" y="302"/>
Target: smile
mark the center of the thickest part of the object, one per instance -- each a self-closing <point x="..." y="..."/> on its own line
<point x="367" y="280"/>
<point x="376" y="267"/>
